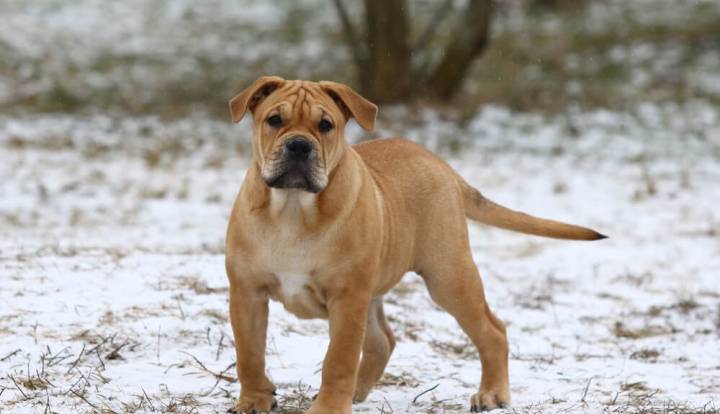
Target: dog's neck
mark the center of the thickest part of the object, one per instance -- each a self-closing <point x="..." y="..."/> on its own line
<point x="291" y="205"/>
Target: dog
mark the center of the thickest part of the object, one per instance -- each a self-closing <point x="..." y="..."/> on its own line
<point x="327" y="229"/>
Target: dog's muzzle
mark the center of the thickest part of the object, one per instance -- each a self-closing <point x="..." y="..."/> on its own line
<point x="295" y="166"/>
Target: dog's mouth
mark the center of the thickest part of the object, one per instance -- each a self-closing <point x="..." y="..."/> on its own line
<point x="299" y="175"/>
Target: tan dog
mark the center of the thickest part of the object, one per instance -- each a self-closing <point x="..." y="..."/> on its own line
<point x="327" y="228"/>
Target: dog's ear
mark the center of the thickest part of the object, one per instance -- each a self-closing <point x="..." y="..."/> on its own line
<point x="249" y="98"/>
<point x="352" y="104"/>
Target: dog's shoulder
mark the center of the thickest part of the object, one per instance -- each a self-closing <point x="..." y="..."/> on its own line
<point x="406" y="168"/>
<point x="392" y="151"/>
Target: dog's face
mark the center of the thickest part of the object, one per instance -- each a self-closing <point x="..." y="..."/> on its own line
<point x="298" y="131"/>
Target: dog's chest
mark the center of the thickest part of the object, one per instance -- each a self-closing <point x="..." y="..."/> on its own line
<point x="291" y="257"/>
<point x="292" y="262"/>
<point x="298" y="295"/>
<point x="292" y="284"/>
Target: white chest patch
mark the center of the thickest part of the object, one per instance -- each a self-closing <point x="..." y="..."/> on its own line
<point x="292" y="284"/>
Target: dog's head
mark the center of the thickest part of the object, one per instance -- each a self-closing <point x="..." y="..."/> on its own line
<point x="298" y="132"/>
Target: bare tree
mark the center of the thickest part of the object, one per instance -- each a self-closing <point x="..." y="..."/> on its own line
<point x="383" y="52"/>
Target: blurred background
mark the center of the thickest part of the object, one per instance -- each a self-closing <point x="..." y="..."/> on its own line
<point x="173" y="58"/>
<point x="119" y="166"/>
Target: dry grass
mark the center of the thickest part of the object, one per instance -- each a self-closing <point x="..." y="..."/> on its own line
<point x="622" y="331"/>
<point x="463" y="350"/>
<point x="296" y="401"/>
<point x="646" y="354"/>
<point x="404" y="379"/>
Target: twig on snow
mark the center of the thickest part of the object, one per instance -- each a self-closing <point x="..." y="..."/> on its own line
<point x="18" y="387"/>
<point x="182" y="312"/>
<point x="424" y="392"/>
<point x="115" y="353"/>
<point x="206" y="369"/>
<point x="10" y="355"/>
<point x="47" y="401"/>
<point x="74" y="364"/>
<point x="587" y="387"/>
<point x="218" y="377"/>
<point x="101" y="343"/>
<point x="389" y="406"/>
<point x="86" y="400"/>
<point x="97" y="352"/>
<point x="147" y="398"/>
<point x="220" y="346"/>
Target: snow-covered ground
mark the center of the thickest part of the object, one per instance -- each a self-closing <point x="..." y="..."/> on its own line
<point x="113" y="296"/>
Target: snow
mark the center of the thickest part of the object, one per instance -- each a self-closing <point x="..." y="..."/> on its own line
<point x="113" y="280"/>
<point x="113" y="296"/>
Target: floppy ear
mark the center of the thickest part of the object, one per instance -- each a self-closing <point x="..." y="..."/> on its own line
<point x="249" y="98"/>
<point x="352" y="104"/>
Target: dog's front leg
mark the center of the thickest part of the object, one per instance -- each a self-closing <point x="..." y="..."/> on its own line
<point x="348" y="315"/>
<point x="249" y="317"/>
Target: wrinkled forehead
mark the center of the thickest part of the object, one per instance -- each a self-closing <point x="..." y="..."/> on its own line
<point x="302" y="98"/>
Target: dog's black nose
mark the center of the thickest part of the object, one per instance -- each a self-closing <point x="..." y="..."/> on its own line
<point x="298" y="148"/>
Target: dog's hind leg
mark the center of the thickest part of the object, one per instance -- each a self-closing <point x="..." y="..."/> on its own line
<point x="455" y="285"/>
<point x="379" y="344"/>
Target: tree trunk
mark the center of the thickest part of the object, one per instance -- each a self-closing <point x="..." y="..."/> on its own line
<point x="386" y="75"/>
<point x="383" y="55"/>
<point x="470" y="39"/>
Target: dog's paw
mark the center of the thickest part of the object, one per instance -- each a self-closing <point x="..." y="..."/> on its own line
<point x="488" y="400"/>
<point x="254" y="404"/>
<point x="361" y="393"/>
<point x="319" y="407"/>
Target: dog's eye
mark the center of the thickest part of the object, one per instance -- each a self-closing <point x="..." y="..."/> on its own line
<point x="325" y="125"/>
<point x="274" y="121"/>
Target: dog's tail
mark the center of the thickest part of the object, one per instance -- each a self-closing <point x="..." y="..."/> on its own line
<point x="485" y="211"/>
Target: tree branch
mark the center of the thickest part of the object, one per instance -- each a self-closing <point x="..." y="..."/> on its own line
<point x="351" y="37"/>
<point x="469" y="40"/>
<point x="427" y="35"/>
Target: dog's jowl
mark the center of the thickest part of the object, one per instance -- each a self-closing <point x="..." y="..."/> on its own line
<point x="327" y="229"/>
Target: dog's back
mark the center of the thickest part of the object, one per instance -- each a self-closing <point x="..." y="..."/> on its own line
<point x="425" y="180"/>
